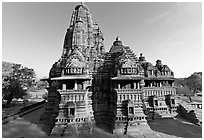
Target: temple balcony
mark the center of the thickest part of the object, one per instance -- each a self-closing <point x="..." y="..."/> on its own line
<point x="71" y="91"/>
<point x="159" y="91"/>
<point x="163" y="75"/>
<point x="128" y="77"/>
<point x="168" y="77"/>
<point x="131" y="91"/>
<point x="159" y="88"/>
<point x="129" y="94"/>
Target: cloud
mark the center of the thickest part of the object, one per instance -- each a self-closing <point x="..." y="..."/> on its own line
<point x="186" y="8"/>
<point x="182" y="49"/>
<point x="158" y="18"/>
<point x="180" y="40"/>
<point x="177" y="11"/>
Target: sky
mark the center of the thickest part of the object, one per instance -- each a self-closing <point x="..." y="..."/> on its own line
<point x="33" y="33"/>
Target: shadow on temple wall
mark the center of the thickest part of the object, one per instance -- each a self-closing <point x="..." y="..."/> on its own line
<point x="150" y="101"/>
<point x="48" y="118"/>
<point x="104" y="100"/>
<point x="125" y="105"/>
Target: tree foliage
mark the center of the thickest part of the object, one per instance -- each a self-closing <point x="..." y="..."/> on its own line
<point x="15" y="79"/>
<point x="194" y="82"/>
<point x="14" y="90"/>
<point x="184" y="91"/>
<point x="190" y="85"/>
<point x="42" y="85"/>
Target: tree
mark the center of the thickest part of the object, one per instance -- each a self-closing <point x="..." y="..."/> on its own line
<point x="42" y="84"/>
<point x="14" y="90"/>
<point x="194" y="82"/>
<point x="26" y="76"/>
<point x="188" y="86"/>
<point x="184" y="91"/>
<point x="15" y="78"/>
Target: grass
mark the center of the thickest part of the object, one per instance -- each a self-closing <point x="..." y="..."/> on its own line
<point x="14" y="108"/>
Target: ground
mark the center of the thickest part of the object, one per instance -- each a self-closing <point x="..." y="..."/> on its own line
<point x="25" y="126"/>
<point x="14" y="108"/>
<point x="28" y="126"/>
<point x="193" y="98"/>
<point x="177" y="127"/>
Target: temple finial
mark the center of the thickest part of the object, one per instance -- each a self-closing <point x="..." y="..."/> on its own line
<point x="117" y="38"/>
<point x="140" y="54"/>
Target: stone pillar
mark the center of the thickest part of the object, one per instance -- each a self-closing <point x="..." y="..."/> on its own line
<point x="77" y="98"/>
<point x="68" y="113"/>
<point x="84" y="85"/>
<point x="160" y="84"/>
<point x="138" y="85"/>
<point x="118" y="85"/>
<point x="63" y="86"/>
<point x="172" y="84"/>
<point x="62" y="99"/>
<point x="135" y="85"/>
<point x="75" y="85"/>
<point x="150" y="84"/>
<point x="63" y="71"/>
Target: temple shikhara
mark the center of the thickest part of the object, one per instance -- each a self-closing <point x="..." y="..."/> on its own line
<point x="115" y="90"/>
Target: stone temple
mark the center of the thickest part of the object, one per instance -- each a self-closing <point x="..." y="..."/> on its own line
<point x="114" y="90"/>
